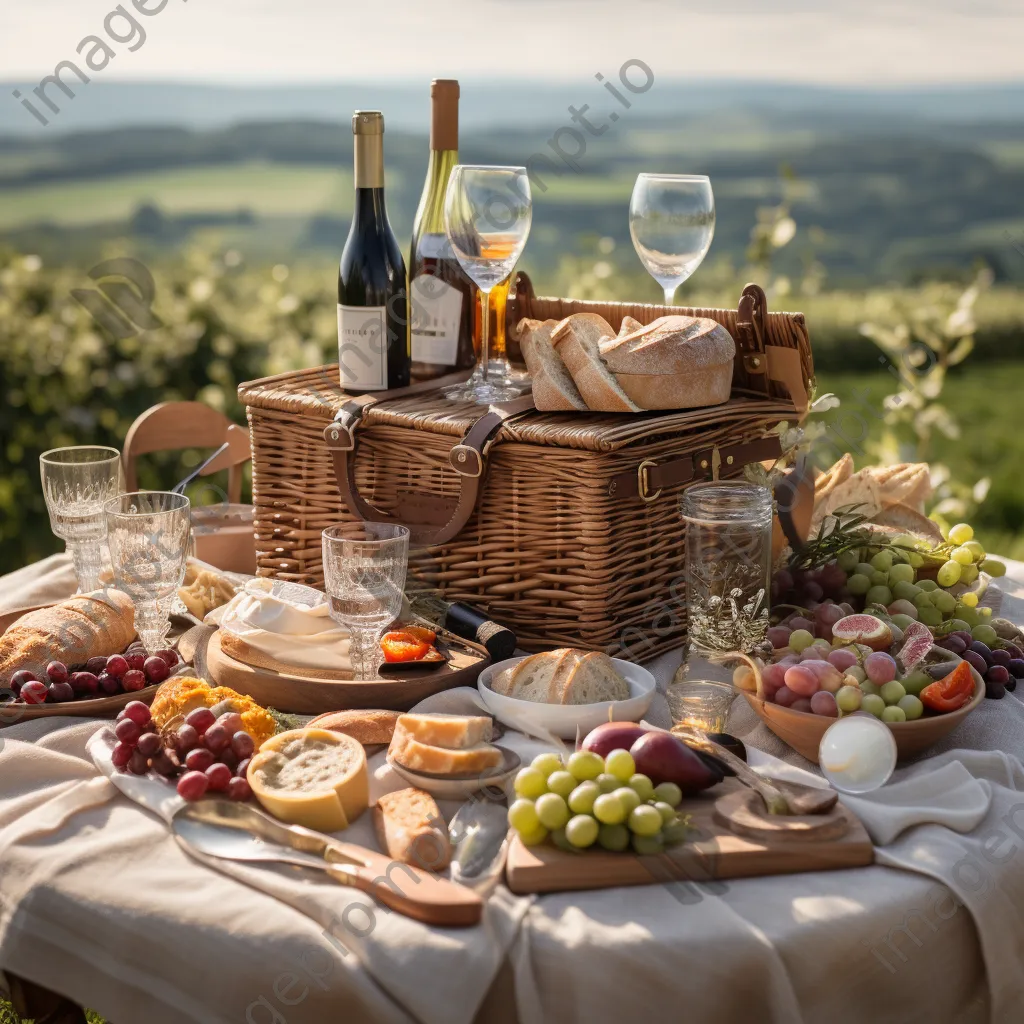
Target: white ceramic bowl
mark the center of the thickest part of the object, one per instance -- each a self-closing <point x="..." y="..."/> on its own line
<point x="563" y="720"/>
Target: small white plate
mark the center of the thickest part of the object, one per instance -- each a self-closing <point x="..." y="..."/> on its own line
<point x="458" y="787"/>
<point x="563" y="720"/>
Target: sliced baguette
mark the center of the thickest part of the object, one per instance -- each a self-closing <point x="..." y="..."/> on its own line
<point x="593" y="679"/>
<point x="553" y="387"/>
<point x="577" y="341"/>
<point x="534" y="678"/>
<point x="410" y="829"/>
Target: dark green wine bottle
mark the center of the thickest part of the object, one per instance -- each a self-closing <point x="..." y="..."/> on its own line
<point x="373" y="295"/>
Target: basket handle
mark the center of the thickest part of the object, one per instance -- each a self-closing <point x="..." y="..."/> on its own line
<point x="467" y="458"/>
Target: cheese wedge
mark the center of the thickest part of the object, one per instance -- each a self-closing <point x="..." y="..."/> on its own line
<point x="423" y="757"/>
<point x="455" y="732"/>
<point x="311" y="777"/>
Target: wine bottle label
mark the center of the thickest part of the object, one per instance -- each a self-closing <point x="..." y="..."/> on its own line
<point x="362" y="348"/>
<point x="436" y="315"/>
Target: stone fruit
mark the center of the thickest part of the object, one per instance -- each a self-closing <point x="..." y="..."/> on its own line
<point x="863" y="629"/>
<point x="663" y="757"/>
<point x="612" y="736"/>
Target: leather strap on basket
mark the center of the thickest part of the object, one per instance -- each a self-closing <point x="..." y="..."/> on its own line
<point x="652" y="477"/>
<point x="467" y="458"/>
<point x="750" y="335"/>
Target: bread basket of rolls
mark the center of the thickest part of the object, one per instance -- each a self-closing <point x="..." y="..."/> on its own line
<point x="557" y="513"/>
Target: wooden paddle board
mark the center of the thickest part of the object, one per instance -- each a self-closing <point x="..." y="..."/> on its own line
<point x="713" y="852"/>
<point x="305" y="695"/>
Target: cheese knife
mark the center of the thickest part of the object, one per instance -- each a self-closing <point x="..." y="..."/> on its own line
<point x="230" y="830"/>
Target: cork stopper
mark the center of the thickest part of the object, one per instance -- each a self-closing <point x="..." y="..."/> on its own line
<point x="444" y="119"/>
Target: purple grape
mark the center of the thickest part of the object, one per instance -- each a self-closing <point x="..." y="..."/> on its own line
<point x="995" y="691"/>
<point x="1016" y="668"/>
<point x="801" y="704"/>
<point x="983" y="649"/>
<point x="784" y="697"/>
<point x="1011" y="685"/>
<point x="963" y="635"/>
<point x="813" y="591"/>
<point x="976" y="661"/>
<point x="954" y="644"/>
<point x="778" y="636"/>
<point x="998" y="674"/>
<point x="824" y="703"/>
<point x="799" y="622"/>
<point x="784" y="581"/>
<point x="1001" y="658"/>
<point x="831" y="578"/>
<point x="1014" y="651"/>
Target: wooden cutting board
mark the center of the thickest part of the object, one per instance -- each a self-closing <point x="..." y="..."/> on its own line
<point x="713" y="852"/>
<point x="305" y="695"/>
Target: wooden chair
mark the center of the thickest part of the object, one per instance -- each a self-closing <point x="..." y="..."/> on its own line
<point x="173" y="426"/>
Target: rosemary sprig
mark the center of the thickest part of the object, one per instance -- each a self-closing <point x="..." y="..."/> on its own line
<point x="839" y="531"/>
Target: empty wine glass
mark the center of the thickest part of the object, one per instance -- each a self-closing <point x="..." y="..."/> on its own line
<point x="671" y="222"/>
<point x="487" y="217"/>
<point x="364" y="576"/>
<point x="76" y="484"/>
<point x="149" y="536"/>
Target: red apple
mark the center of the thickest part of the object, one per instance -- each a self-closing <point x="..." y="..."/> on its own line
<point x="611" y="736"/>
<point x="663" y="757"/>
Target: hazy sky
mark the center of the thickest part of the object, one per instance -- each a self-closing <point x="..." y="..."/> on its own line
<point x="838" y="42"/>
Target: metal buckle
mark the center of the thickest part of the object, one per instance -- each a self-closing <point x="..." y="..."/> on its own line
<point x="642" y="483"/>
<point x="339" y="436"/>
<point x="712" y="462"/>
<point x="460" y="460"/>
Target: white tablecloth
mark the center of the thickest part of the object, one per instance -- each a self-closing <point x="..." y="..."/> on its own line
<point x="98" y="903"/>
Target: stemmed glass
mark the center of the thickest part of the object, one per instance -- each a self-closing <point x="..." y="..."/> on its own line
<point x="671" y="222"/>
<point x="149" y="534"/>
<point x="487" y="217"/>
<point x="364" y="575"/>
<point x="76" y="483"/>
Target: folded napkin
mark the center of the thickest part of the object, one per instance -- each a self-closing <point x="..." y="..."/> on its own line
<point x="949" y="795"/>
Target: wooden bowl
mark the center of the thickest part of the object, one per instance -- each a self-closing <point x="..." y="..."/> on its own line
<point x="803" y="730"/>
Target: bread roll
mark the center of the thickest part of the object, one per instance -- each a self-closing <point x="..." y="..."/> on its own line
<point x="410" y="829"/>
<point x="553" y="388"/>
<point x="676" y="362"/>
<point x="368" y="727"/>
<point x="576" y="340"/>
<point x="88" y="626"/>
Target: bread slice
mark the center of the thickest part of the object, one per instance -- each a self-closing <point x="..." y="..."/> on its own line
<point x="594" y="678"/>
<point x="453" y="732"/>
<point x="553" y="387"/>
<point x="628" y="326"/>
<point x="410" y="829"/>
<point x="424" y="757"/>
<point x="534" y="678"/>
<point x="368" y="727"/>
<point x="577" y="341"/>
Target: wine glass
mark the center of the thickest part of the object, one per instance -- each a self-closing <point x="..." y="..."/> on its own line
<point x="672" y="222"/>
<point x="364" y="574"/>
<point x="487" y="217"/>
<point x="149" y="536"/>
<point x="76" y="483"/>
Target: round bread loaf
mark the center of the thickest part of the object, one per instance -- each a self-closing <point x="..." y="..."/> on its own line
<point x="676" y="362"/>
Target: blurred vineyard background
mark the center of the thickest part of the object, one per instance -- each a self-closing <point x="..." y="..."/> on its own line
<point x="901" y="241"/>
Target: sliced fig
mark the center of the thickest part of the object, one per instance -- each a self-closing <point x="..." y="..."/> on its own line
<point x="863" y="629"/>
<point x="917" y="642"/>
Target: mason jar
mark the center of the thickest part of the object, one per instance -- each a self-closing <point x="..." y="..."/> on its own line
<point x="728" y="564"/>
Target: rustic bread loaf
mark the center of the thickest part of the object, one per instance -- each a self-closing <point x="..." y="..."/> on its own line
<point x="368" y="727"/>
<point x="676" y="362"/>
<point x="87" y="626"/>
<point x="576" y="340"/>
<point x="553" y="387"/>
<point x="594" y="678"/>
<point x="540" y="677"/>
<point x="410" y="829"/>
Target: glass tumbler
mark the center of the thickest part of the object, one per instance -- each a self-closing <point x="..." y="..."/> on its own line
<point x="728" y="565"/>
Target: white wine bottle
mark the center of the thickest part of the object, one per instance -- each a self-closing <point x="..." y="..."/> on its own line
<point x="373" y="297"/>
<point x="442" y="297"/>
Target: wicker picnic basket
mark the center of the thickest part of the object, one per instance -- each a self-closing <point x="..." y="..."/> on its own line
<point x="565" y="526"/>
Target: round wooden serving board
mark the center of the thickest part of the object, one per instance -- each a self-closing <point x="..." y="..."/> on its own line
<point x="743" y="812"/>
<point x="306" y="695"/>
